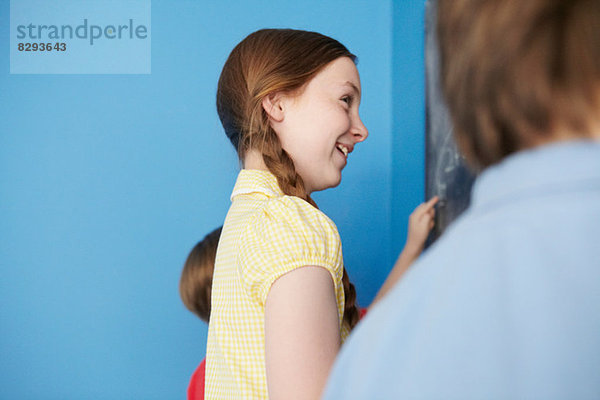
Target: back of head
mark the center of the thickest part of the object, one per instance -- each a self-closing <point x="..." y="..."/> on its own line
<point x="195" y="284"/>
<point x="517" y="74"/>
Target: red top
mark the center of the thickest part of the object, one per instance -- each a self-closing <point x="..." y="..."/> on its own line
<point x="362" y="312"/>
<point x="196" y="388"/>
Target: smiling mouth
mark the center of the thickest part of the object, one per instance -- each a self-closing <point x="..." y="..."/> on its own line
<point x="343" y="149"/>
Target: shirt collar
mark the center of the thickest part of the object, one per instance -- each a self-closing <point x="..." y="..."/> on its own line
<point x="256" y="181"/>
<point x="550" y="168"/>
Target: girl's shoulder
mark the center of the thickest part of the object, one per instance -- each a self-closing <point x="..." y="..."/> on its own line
<point x="286" y="233"/>
<point x="294" y="213"/>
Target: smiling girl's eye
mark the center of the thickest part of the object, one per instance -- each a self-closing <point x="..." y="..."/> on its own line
<point x="347" y="99"/>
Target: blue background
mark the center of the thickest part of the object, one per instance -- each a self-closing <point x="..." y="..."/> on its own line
<point x="107" y="181"/>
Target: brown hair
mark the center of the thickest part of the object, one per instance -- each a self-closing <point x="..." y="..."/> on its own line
<point x="195" y="284"/>
<point x="518" y="73"/>
<point x="265" y="62"/>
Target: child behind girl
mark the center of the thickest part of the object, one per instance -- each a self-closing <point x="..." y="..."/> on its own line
<point x="282" y="302"/>
<point x="194" y="288"/>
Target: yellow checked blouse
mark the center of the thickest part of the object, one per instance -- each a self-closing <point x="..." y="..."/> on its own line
<point x="266" y="234"/>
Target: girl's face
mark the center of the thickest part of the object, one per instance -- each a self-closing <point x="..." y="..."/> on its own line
<point x="320" y="127"/>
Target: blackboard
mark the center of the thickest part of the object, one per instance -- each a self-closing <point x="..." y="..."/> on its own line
<point x="446" y="173"/>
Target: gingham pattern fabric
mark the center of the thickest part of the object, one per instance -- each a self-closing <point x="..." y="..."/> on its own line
<point x="266" y="234"/>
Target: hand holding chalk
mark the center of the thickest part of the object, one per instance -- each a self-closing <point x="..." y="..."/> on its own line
<point x="420" y="223"/>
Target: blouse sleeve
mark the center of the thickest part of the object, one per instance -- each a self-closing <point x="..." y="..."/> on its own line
<point x="286" y="234"/>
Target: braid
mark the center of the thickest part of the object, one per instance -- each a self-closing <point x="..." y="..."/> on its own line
<point x="351" y="313"/>
<point x="282" y="166"/>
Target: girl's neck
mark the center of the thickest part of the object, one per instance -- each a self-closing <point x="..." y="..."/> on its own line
<point x="254" y="160"/>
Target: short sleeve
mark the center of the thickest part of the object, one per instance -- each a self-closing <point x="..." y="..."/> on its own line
<point x="287" y="233"/>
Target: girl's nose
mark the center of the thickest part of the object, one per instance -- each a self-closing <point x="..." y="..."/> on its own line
<point x="359" y="131"/>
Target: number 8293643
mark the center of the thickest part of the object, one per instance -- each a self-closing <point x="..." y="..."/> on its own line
<point x="42" y="46"/>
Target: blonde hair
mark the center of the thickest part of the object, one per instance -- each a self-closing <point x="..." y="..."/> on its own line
<point x="195" y="284"/>
<point x="515" y="72"/>
<point x="265" y="62"/>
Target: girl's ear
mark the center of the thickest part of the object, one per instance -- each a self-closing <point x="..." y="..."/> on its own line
<point x="273" y="105"/>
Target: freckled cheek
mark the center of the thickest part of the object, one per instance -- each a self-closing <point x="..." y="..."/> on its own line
<point x="337" y="121"/>
<point x="342" y="127"/>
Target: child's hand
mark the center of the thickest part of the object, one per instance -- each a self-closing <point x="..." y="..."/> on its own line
<point x="420" y="223"/>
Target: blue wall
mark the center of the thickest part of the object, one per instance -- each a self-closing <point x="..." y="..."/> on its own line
<point x="107" y="181"/>
<point x="408" y="117"/>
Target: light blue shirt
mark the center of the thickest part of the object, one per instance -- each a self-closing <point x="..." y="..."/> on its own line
<point x="505" y="305"/>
